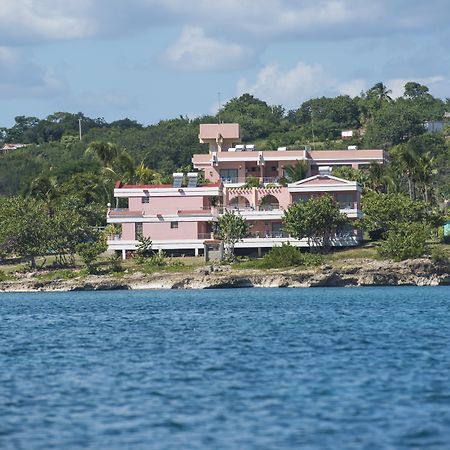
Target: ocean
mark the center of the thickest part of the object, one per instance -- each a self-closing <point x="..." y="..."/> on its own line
<point x="318" y="368"/>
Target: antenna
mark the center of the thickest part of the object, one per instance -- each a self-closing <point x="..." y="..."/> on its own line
<point x="312" y="129"/>
<point x="219" y="108"/>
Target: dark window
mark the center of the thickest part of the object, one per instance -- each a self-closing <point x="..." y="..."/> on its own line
<point x="229" y="175"/>
<point x="138" y="230"/>
<point x="145" y="199"/>
<point x="173" y="224"/>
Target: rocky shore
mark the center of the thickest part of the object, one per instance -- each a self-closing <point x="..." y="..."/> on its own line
<point x="351" y="273"/>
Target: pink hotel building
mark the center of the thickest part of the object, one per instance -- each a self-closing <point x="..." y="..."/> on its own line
<point x="180" y="217"/>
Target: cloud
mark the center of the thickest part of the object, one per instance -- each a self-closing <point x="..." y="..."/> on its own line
<point x="293" y="86"/>
<point x="438" y="85"/>
<point x="23" y="21"/>
<point x="21" y="77"/>
<point x="28" y="21"/>
<point x="194" y="51"/>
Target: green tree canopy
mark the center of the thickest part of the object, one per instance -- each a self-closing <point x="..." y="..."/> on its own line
<point x="232" y="228"/>
<point x="316" y="220"/>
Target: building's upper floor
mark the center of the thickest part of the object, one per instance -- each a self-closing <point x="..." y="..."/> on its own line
<point x="234" y="163"/>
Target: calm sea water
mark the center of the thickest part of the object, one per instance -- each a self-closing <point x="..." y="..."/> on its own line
<point x="328" y="368"/>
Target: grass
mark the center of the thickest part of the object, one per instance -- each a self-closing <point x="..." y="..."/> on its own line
<point x="59" y="274"/>
<point x="16" y="270"/>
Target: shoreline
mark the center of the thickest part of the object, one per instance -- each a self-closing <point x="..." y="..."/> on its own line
<point x="417" y="272"/>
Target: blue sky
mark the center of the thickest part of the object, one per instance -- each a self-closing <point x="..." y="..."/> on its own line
<point x="155" y="59"/>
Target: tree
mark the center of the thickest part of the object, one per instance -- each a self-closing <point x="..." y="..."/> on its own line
<point x="383" y="211"/>
<point x="106" y="152"/>
<point x="380" y="92"/>
<point x="71" y="225"/>
<point x="90" y="251"/>
<point x="415" y="90"/>
<point x="316" y="219"/>
<point x="232" y="228"/>
<point x="405" y="240"/>
<point x="24" y="228"/>
<point x="296" y="172"/>
<point x="394" y="123"/>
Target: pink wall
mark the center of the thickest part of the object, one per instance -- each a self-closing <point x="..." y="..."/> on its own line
<point x="128" y="231"/>
<point x="166" y="205"/>
<point x="163" y="231"/>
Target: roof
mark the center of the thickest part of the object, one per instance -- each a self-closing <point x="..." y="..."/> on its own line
<point x="322" y="180"/>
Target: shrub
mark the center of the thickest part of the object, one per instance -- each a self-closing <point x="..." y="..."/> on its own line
<point x="115" y="264"/>
<point x="438" y="256"/>
<point x="405" y="240"/>
<point x="289" y="256"/>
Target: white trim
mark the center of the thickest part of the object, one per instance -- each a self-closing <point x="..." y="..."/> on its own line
<point x="161" y="219"/>
<point x="323" y="188"/>
<point x="168" y="192"/>
<point x="193" y="244"/>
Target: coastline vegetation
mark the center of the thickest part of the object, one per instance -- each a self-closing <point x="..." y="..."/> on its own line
<point x="54" y="191"/>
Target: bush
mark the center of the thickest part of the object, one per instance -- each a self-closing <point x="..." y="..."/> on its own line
<point x="405" y="240"/>
<point x="438" y="256"/>
<point x="289" y="256"/>
<point x="115" y="264"/>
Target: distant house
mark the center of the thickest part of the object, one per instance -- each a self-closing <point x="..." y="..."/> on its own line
<point x="9" y="147"/>
<point x="350" y="134"/>
<point x="434" y="126"/>
<point x="437" y="126"/>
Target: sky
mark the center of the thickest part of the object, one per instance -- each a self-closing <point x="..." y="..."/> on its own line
<point x="150" y="60"/>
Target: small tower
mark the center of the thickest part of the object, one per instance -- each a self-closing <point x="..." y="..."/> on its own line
<point x="219" y="136"/>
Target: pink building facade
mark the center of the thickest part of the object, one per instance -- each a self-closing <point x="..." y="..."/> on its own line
<point x="180" y="217"/>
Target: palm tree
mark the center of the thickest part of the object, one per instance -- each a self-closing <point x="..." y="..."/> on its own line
<point x="378" y="180"/>
<point x="380" y="92"/>
<point x="425" y="169"/>
<point x="106" y="152"/>
<point x="408" y="163"/>
<point x="297" y="172"/>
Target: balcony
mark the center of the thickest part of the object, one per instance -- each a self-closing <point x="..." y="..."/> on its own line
<point x="244" y="180"/>
<point x="201" y="211"/>
<point x="348" y="205"/>
<point x="124" y="212"/>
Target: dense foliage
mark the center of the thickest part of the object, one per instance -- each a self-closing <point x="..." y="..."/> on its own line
<point x="316" y="220"/>
<point x="232" y="228"/>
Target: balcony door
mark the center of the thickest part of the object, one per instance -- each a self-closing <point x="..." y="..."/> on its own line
<point x="229" y="175"/>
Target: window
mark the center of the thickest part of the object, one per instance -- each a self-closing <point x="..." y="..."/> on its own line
<point x="145" y="199"/>
<point x="138" y="232"/>
<point x="229" y="175"/>
<point x="173" y="225"/>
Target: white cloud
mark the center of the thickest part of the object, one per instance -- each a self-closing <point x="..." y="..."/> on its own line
<point x="24" y="21"/>
<point x="194" y="51"/>
<point x="438" y="85"/>
<point x="32" y="21"/>
<point x="293" y="86"/>
<point x="352" y="88"/>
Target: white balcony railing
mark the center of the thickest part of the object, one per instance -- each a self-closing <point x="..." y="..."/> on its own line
<point x="243" y="180"/>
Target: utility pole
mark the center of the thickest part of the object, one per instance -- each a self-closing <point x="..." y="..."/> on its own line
<point x="220" y="106"/>
<point x="312" y="129"/>
<point x="79" y="127"/>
